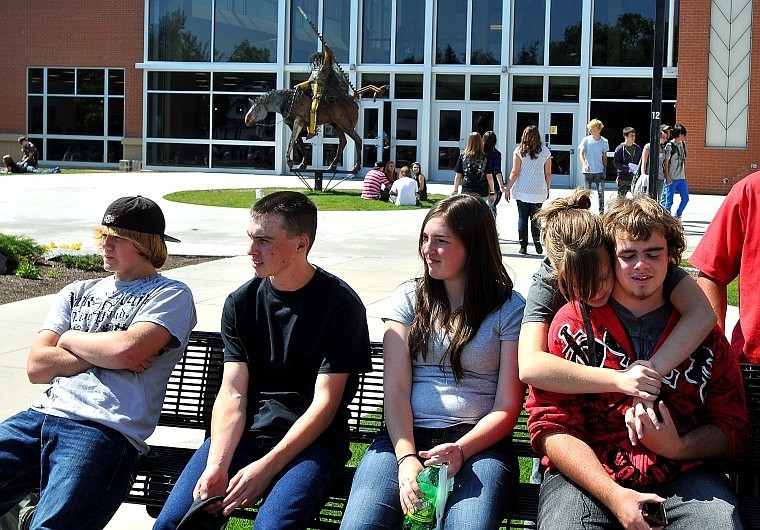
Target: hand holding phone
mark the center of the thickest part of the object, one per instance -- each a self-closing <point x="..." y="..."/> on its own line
<point x="654" y="513"/>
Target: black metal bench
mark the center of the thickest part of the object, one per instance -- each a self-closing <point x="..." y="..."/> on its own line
<point x="195" y="381"/>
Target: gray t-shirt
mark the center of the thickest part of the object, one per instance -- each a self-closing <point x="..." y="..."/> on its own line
<point x="437" y="399"/>
<point x="125" y="401"/>
<point x="545" y="299"/>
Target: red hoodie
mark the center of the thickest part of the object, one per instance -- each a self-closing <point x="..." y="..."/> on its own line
<point x="704" y="389"/>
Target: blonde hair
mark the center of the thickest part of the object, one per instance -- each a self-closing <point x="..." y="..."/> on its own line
<point x="575" y="243"/>
<point x="151" y="246"/>
<point x="595" y="124"/>
<point x="406" y="172"/>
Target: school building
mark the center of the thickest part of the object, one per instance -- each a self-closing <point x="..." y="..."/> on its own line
<point x="167" y="83"/>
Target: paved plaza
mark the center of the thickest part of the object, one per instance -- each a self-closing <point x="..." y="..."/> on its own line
<point x="372" y="251"/>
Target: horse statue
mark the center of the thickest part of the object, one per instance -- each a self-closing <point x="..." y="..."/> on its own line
<point x="337" y="108"/>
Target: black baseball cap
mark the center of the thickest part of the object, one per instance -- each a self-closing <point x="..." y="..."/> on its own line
<point x="139" y="214"/>
<point x="379" y="164"/>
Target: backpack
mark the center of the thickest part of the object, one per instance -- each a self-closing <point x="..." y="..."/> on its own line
<point x="474" y="175"/>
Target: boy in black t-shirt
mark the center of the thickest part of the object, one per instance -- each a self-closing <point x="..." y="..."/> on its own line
<point x="295" y="340"/>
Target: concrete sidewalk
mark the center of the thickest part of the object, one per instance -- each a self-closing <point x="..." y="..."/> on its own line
<point x="372" y="251"/>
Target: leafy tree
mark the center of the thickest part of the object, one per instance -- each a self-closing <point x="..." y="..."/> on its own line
<point x="170" y="41"/>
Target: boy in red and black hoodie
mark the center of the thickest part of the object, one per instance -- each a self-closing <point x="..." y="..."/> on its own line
<point x="596" y="472"/>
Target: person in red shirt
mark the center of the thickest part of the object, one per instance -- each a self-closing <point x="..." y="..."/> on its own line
<point x="376" y="184"/>
<point x="597" y="475"/>
<point x="730" y="249"/>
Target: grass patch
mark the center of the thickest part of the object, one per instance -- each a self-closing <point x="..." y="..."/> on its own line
<point x="732" y="289"/>
<point x="86" y="262"/>
<point x="334" y="200"/>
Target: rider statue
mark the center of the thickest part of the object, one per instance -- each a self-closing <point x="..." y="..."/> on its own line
<point x="322" y="67"/>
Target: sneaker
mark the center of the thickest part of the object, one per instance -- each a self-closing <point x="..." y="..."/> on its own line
<point x="539" y="248"/>
<point x="523" y="250"/>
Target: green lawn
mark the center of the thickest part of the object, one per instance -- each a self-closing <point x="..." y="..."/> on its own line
<point x="334" y="200"/>
<point x="732" y="290"/>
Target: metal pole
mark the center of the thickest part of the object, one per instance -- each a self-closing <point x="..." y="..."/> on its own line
<point x="654" y="127"/>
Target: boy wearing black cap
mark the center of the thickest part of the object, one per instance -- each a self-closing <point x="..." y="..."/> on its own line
<point x="106" y="349"/>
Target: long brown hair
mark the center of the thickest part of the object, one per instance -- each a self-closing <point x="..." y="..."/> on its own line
<point x="530" y="143"/>
<point x="474" y="148"/>
<point x="575" y="244"/>
<point x="486" y="283"/>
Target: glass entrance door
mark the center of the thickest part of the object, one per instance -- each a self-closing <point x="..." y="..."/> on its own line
<point x="455" y="123"/>
<point x="372" y="132"/>
<point x="557" y="124"/>
<point x="405" y="129"/>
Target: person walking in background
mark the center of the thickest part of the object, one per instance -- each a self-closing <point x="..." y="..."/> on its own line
<point x="529" y="183"/>
<point x="592" y="153"/>
<point x="451" y="387"/>
<point x="29" y="155"/>
<point x="404" y="190"/>
<point x="295" y="341"/>
<point x="376" y="186"/>
<point x="627" y="159"/>
<point x="494" y="159"/>
<point x="675" y="171"/>
<point x="472" y="171"/>
<point x="663" y="151"/>
<point x="105" y="352"/>
<point x="421" y="182"/>
<point x="731" y="248"/>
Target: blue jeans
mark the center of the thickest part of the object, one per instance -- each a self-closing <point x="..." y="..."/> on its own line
<point x="525" y="213"/>
<point x="83" y="469"/>
<point x="698" y="498"/>
<point x="481" y="492"/>
<point x="596" y="179"/>
<point x="294" y="497"/>
<point x="678" y="186"/>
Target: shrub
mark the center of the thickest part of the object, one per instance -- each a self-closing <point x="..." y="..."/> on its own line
<point x="19" y="248"/>
<point x="86" y="262"/>
<point x="26" y="269"/>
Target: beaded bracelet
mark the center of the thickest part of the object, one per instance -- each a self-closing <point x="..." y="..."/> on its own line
<point x="461" y="451"/>
<point x="405" y="457"/>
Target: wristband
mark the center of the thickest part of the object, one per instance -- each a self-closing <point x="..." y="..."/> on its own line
<point x="492" y="193"/>
<point x="398" y="462"/>
<point x="461" y="451"/>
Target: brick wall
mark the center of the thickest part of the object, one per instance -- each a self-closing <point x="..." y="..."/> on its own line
<point x="85" y="33"/>
<point x="707" y="167"/>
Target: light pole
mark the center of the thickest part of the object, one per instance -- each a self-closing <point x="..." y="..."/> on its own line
<point x="656" y="119"/>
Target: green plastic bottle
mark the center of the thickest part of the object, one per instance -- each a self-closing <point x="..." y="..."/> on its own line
<point x="424" y="518"/>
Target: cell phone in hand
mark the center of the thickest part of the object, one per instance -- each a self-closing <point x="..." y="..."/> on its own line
<point x="654" y="513"/>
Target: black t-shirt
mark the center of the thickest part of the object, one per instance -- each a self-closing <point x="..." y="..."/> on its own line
<point x="287" y="339"/>
<point x="474" y="174"/>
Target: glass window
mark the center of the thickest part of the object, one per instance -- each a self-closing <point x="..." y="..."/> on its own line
<point x="248" y="82"/>
<point x="410" y="31"/>
<point x="178" y="116"/>
<point x="528" y="32"/>
<point x="74" y="150"/>
<point x="246" y="31"/>
<point x="527" y="88"/>
<point x="336" y="27"/>
<point x="90" y="81"/>
<point x="485" y="88"/>
<point x="35" y="112"/>
<point x="449" y="86"/>
<point x="242" y="156"/>
<point x="451" y="32"/>
<point x="60" y="81"/>
<point x="621" y="88"/>
<point x="115" y="82"/>
<point x="185" y="81"/>
<point x="186" y="155"/>
<point x="35" y="78"/>
<point x="406" y="125"/>
<point x="179" y="30"/>
<point x="115" y="151"/>
<point x="564" y="89"/>
<point x="408" y="86"/>
<point x="565" y="33"/>
<point x="447" y="158"/>
<point x="486" y="32"/>
<point x="77" y="116"/>
<point x="115" y="116"/>
<point x="617" y="115"/>
<point x="228" y="119"/>
<point x="376" y="39"/>
<point x="450" y="126"/>
<point x="623" y="33"/>
<point x="525" y="119"/>
<point x="303" y="41"/>
<point x="377" y="80"/>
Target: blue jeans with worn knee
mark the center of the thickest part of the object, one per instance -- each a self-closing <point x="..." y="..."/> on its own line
<point x="83" y="469"/>
<point x="293" y="499"/>
<point x="678" y="186"/>
<point x="698" y="498"/>
<point x="479" y="500"/>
